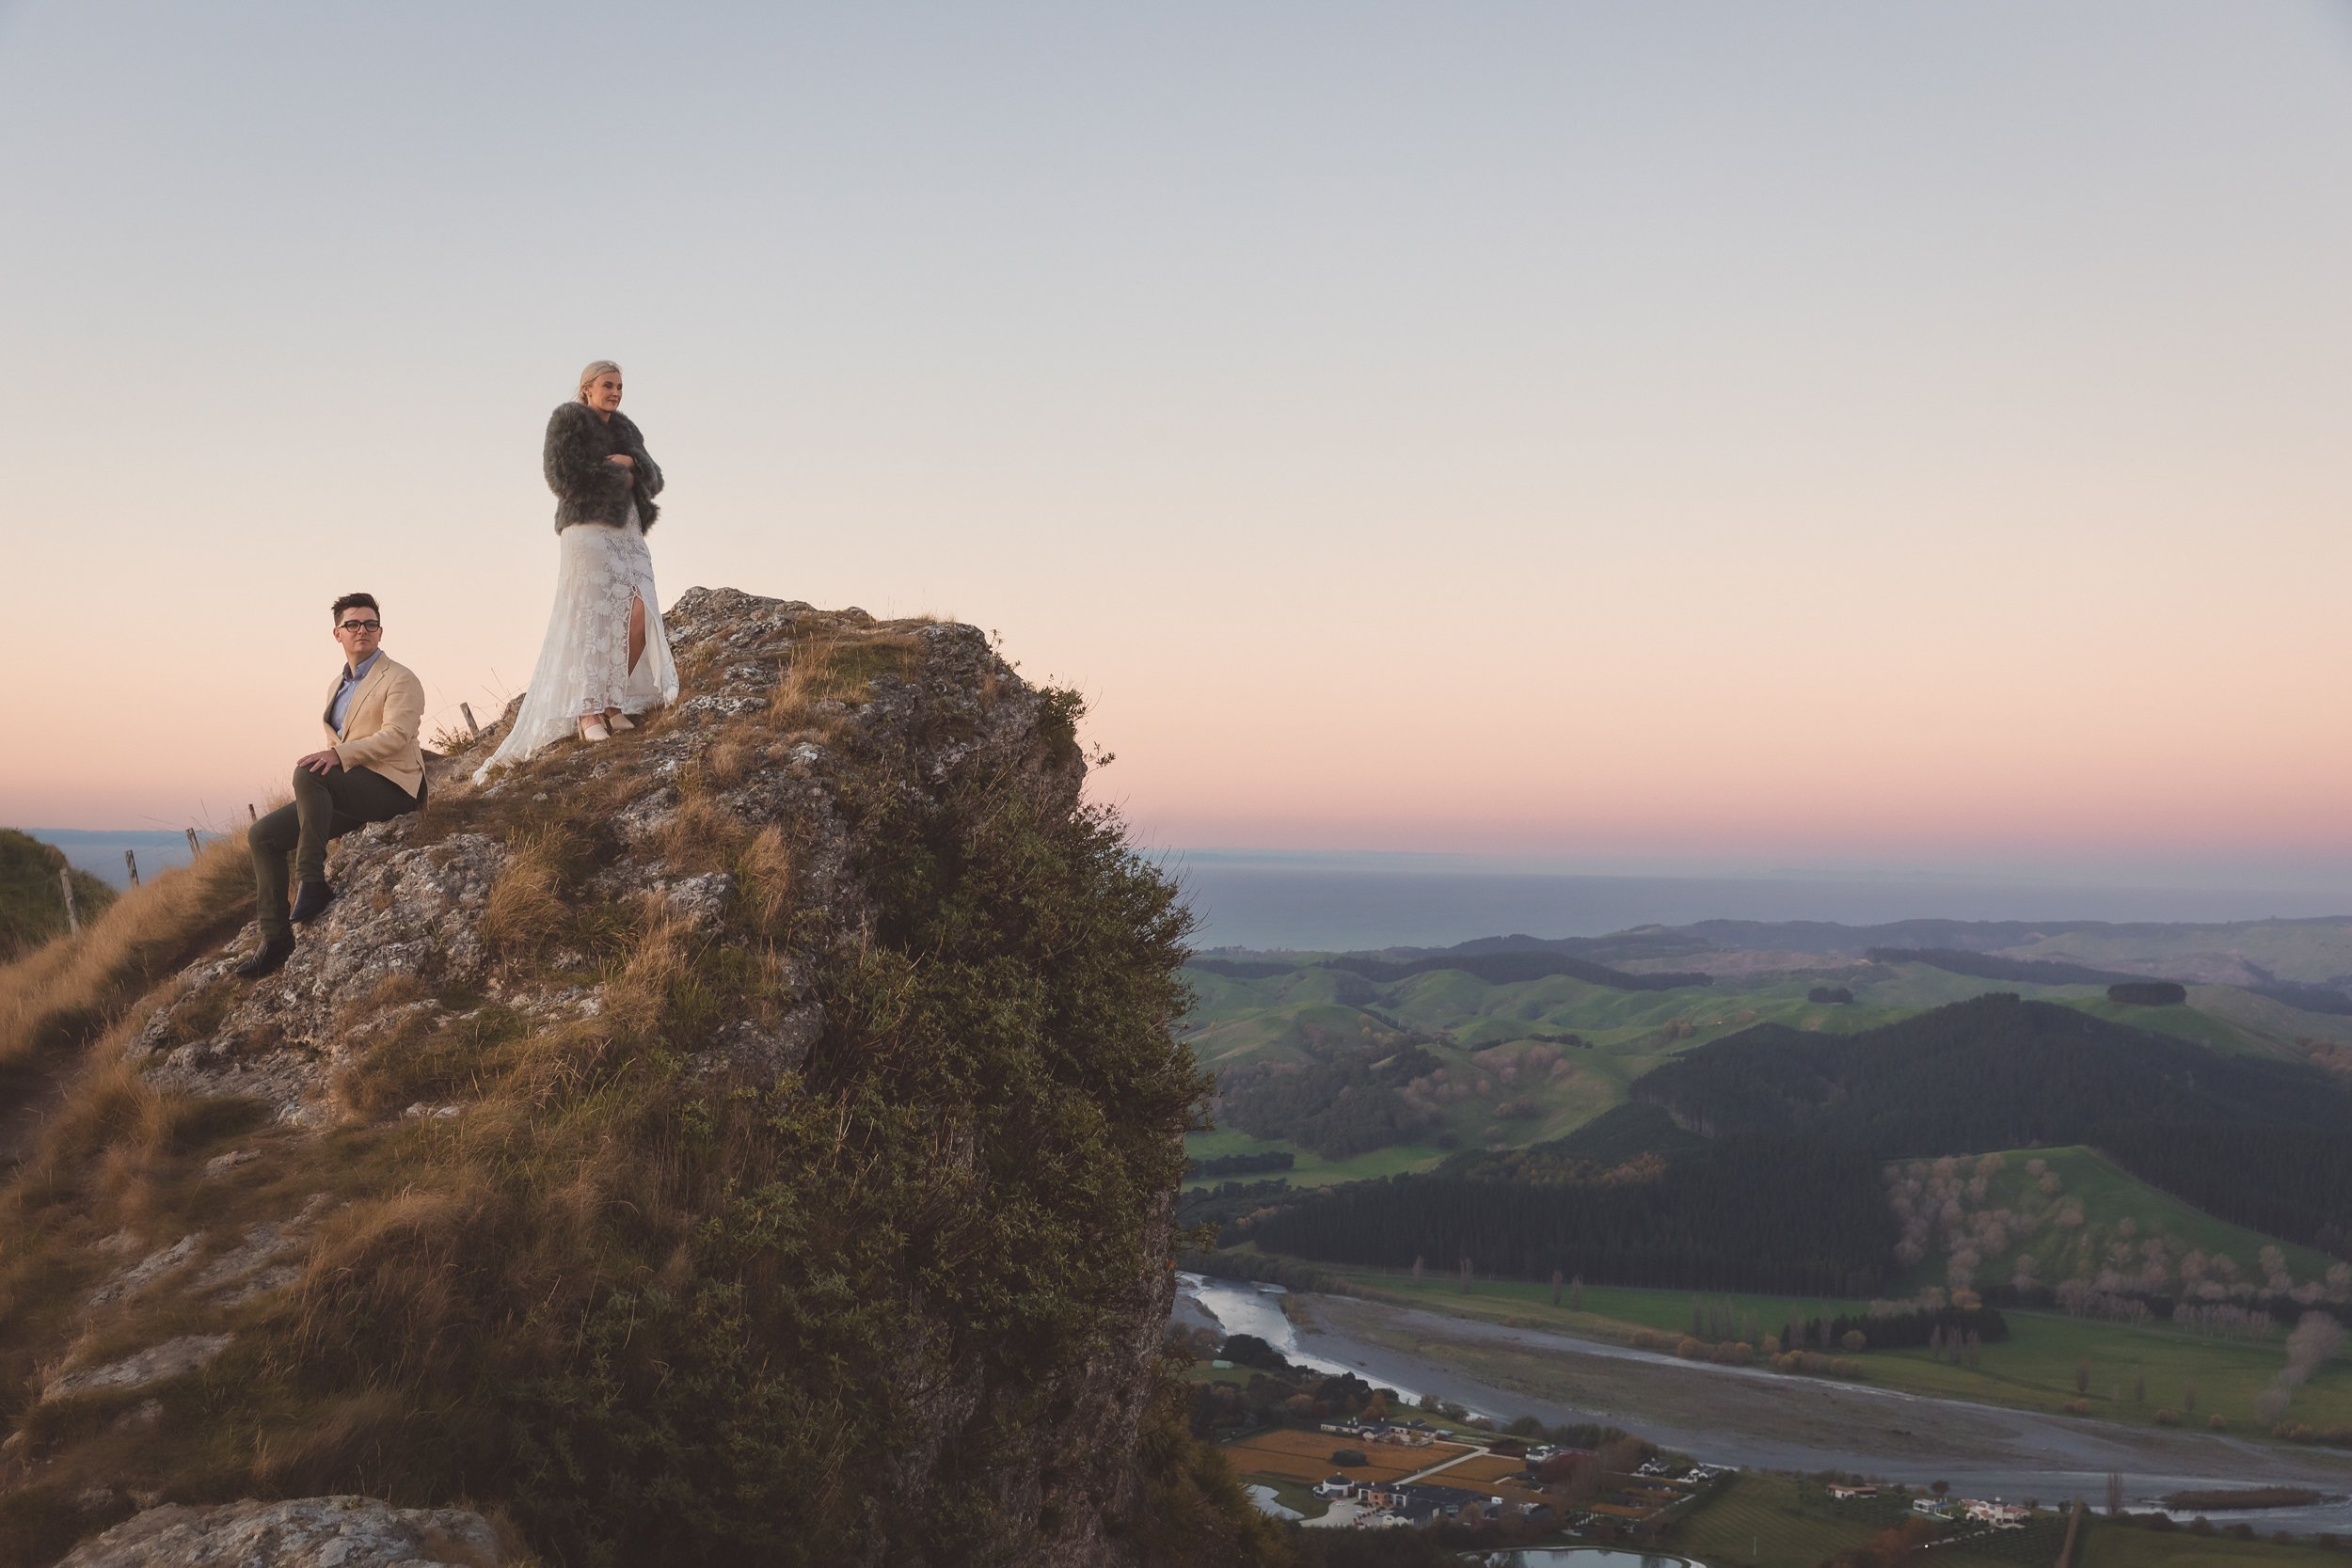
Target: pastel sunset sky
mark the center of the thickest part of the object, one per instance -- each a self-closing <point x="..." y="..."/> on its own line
<point x="1608" y="433"/>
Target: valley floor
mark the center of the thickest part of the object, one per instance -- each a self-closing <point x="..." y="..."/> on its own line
<point x="2034" y="1369"/>
<point x="1762" y="1420"/>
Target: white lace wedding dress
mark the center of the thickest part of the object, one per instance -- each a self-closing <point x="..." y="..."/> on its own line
<point x="584" y="663"/>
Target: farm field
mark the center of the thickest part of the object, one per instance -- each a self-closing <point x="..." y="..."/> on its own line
<point x="1481" y="1468"/>
<point x="2034" y="1369"/>
<point x="1762" y="1521"/>
<point x="2107" y="1545"/>
<point x="1287" y="1453"/>
<point x="1312" y="1170"/>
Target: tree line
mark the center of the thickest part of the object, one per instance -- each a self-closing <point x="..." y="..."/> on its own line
<point x="1786" y="1215"/>
<point x="1920" y="1327"/>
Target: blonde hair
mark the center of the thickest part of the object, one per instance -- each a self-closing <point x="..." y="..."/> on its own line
<point x="595" y="367"/>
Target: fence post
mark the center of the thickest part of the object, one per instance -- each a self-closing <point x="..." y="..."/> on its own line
<point x="471" y="728"/>
<point x="251" y="816"/>
<point x="131" y="862"/>
<point x="193" y="848"/>
<point x="72" y="916"/>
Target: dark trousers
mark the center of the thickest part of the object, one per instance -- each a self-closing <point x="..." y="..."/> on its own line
<point x="326" y="806"/>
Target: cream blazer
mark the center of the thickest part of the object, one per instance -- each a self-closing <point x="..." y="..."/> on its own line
<point x="379" y="731"/>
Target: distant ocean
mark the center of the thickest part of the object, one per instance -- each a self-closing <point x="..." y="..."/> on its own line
<point x="100" y="852"/>
<point x="1340" y="902"/>
<point x="1247" y="898"/>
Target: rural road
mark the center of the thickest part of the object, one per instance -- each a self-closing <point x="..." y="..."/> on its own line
<point x="1762" y="1420"/>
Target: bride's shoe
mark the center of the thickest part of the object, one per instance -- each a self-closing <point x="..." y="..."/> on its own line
<point x="593" y="729"/>
<point x="616" y="720"/>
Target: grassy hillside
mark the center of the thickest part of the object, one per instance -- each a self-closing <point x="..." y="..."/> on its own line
<point x="32" y="902"/>
<point x="2074" y="1213"/>
<point x="1476" y="1026"/>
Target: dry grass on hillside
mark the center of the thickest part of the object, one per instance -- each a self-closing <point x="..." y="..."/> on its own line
<point x="67" y="990"/>
<point x="454" y="1258"/>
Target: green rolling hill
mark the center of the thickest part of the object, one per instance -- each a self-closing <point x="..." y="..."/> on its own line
<point x="1468" y="1062"/>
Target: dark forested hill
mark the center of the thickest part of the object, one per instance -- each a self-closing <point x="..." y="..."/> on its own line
<point x="2290" y="1181"/>
<point x="1798" y="1216"/>
<point x="1992" y="1072"/>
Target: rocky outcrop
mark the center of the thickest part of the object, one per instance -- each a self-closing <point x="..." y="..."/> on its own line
<point x="412" y="899"/>
<point x="172" y="1358"/>
<point x="308" y="1532"/>
<point x="893" y="1010"/>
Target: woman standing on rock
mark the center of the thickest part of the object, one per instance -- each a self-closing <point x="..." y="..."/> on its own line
<point x="605" y="654"/>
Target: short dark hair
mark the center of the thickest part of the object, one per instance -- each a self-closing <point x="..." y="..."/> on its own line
<point x="353" y="601"/>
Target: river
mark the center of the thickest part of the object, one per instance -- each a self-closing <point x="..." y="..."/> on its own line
<point x="1761" y="1419"/>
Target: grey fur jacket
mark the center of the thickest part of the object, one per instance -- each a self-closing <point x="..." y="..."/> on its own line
<point x="587" y="488"/>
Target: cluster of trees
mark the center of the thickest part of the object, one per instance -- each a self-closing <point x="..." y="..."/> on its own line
<point x="1240" y="1164"/>
<point x="1226" y="1202"/>
<point x="2222" y="1320"/>
<point x="1343" y="1103"/>
<point x="2148" y="993"/>
<point x="2288" y="1180"/>
<point x="1790" y="1215"/>
<point x="1837" y="994"/>
<point x="2303" y="1432"/>
<point x="1276" y="1393"/>
<point x="2083" y="1298"/>
<point x="1991" y="1072"/>
<point x="1898" y="1329"/>
<point x="1722" y="1319"/>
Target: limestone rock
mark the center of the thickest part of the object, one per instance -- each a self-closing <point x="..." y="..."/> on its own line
<point x="410" y="897"/>
<point x="172" y="1358"/>
<point x="398" y="910"/>
<point x="148" y="1269"/>
<point x="303" y="1532"/>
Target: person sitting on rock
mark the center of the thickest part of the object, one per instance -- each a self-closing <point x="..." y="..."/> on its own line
<point x="373" y="771"/>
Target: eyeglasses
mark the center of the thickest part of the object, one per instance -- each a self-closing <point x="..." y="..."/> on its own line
<point x="358" y="625"/>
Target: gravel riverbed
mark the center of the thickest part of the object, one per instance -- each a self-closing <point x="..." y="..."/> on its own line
<point x="1763" y="1419"/>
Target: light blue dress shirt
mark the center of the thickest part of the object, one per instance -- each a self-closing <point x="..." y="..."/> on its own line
<point x="351" y="683"/>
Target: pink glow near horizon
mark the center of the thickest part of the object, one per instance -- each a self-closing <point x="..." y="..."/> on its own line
<point x="1516" y="431"/>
